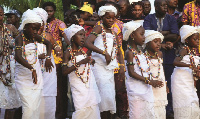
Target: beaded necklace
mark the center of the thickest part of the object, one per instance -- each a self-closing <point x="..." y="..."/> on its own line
<point x="105" y="43"/>
<point x="73" y="60"/>
<point x="135" y="53"/>
<point x="25" y="49"/>
<point x="159" y="63"/>
<point x="42" y="61"/>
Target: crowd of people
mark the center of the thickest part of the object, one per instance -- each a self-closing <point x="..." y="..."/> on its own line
<point x="109" y="60"/>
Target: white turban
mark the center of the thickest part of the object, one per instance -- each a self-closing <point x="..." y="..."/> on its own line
<point x="150" y="35"/>
<point x="29" y="16"/>
<point x="72" y="30"/>
<point x="131" y="1"/>
<point x="128" y="28"/>
<point x="186" y="31"/>
<point x="107" y="8"/>
<point x="42" y="13"/>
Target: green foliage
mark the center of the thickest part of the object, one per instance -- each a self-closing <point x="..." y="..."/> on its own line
<point x="23" y="5"/>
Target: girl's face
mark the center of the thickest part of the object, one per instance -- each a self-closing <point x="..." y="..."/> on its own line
<point x="154" y="45"/>
<point x="79" y="38"/>
<point x="108" y="19"/>
<point x="193" y="41"/>
<point x="32" y="29"/>
<point x="50" y="11"/>
<point x="137" y="12"/>
<point x="1" y="14"/>
<point x="138" y="36"/>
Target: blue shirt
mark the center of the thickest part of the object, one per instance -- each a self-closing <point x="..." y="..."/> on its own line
<point x="169" y="23"/>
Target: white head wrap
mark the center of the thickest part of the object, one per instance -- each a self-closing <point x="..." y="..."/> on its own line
<point x="29" y="16"/>
<point x="72" y="30"/>
<point x="150" y="35"/>
<point x="107" y="8"/>
<point x="42" y="13"/>
<point x="130" y="1"/>
<point x="186" y="31"/>
<point x="128" y="28"/>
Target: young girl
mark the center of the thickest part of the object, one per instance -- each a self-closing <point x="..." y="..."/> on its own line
<point x="153" y="40"/>
<point x="28" y="75"/>
<point x="185" y="100"/>
<point x="76" y="63"/>
<point x="9" y="97"/>
<point x="105" y="50"/>
<point x="49" y="92"/>
<point x="139" y="85"/>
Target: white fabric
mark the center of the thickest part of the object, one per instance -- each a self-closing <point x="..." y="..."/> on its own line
<point x="48" y="107"/>
<point x="72" y="30"/>
<point x="49" y="79"/>
<point x="150" y="35"/>
<point x="140" y="109"/>
<point x="139" y="21"/>
<point x="107" y="8"/>
<point x="160" y="112"/>
<point x="84" y="95"/>
<point x="23" y="75"/>
<point x="183" y="90"/>
<point x="128" y="28"/>
<point x="29" y="16"/>
<point x="91" y="112"/>
<point x="186" y="31"/>
<point x="99" y="58"/>
<point x="30" y="103"/>
<point x="42" y="13"/>
<point x="131" y="1"/>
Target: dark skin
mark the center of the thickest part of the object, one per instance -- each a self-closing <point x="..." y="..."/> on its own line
<point x="123" y="7"/>
<point x="137" y="12"/>
<point x="13" y="19"/>
<point x="191" y="42"/>
<point x="147" y="7"/>
<point x="49" y="37"/>
<point x="172" y="5"/>
<point x="30" y="33"/>
<point x="161" y="9"/>
<point x="138" y="36"/>
<point x="51" y="12"/>
<point x="78" y="40"/>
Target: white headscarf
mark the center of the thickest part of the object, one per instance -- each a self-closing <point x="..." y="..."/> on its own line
<point x="150" y="35"/>
<point x="131" y="1"/>
<point x="128" y="28"/>
<point x="72" y="30"/>
<point x="42" y="13"/>
<point x="29" y="16"/>
<point x="107" y="8"/>
<point x="186" y="31"/>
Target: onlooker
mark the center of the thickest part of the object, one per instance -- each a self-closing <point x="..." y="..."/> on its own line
<point x="13" y="17"/>
<point x="137" y="12"/>
<point x="147" y="7"/>
<point x="171" y="8"/>
<point x="125" y="14"/>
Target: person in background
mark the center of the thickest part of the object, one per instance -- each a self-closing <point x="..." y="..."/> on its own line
<point x="167" y="25"/>
<point x="13" y="17"/>
<point x="137" y="11"/>
<point x="56" y="28"/>
<point x="171" y="8"/>
<point x="125" y="15"/>
<point x="147" y="7"/>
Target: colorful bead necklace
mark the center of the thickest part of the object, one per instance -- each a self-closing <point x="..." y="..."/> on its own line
<point x="25" y="49"/>
<point x="105" y="43"/>
<point x="135" y="53"/>
<point x="73" y="60"/>
<point x="159" y="63"/>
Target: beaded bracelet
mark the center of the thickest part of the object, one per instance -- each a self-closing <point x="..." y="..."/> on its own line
<point x="48" y="57"/>
<point x="104" y="52"/>
<point x="146" y="80"/>
<point x="32" y="69"/>
<point x="94" y="33"/>
<point x="77" y="65"/>
<point x="64" y="64"/>
<point x="130" y="63"/>
<point x="18" y="47"/>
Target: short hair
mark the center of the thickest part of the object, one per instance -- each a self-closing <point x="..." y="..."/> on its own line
<point x="49" y="4"/>
<point x="133" y="4"/>
<point x="157" y="2"/>
<point x="2" y="7"/>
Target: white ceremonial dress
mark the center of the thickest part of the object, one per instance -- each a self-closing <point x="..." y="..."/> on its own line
<point x="184" y="95"/>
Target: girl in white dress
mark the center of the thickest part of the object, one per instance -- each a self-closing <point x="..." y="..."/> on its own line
<point x="138" y="82"/>
<point x="77" y="65"/>
<point x="153" y="40"/>
<point x="104" y="44"/>
<point x="28" y="75"/>
<point x="185" y="99"/>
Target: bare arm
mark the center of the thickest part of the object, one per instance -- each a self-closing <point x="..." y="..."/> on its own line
<point x="177" y="60"/>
